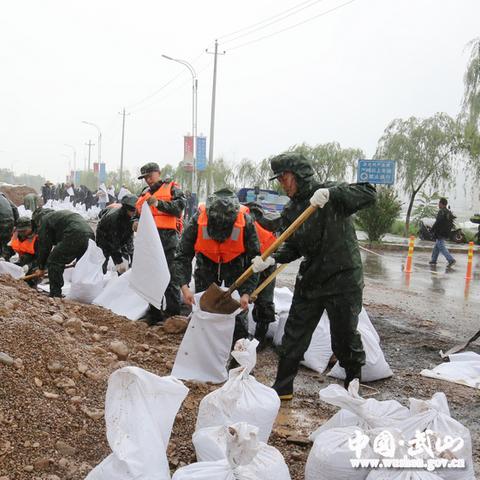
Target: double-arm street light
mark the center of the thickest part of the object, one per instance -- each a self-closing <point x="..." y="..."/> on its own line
<point x="99" y="141"/>
<point x="194" y="116"/>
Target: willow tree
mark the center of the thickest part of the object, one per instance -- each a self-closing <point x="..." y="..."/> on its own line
<point x="424" y="150"/>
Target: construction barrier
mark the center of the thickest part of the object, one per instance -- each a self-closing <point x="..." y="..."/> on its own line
<point x="469" y="261"/>
<point x="411" y="244"/>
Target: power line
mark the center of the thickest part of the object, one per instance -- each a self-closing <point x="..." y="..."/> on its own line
<point x="266" y="25"/>
<point x="292" y="26"/>
<point x="266" y="19"/>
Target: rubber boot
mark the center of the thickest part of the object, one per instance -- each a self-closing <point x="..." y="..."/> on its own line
<point x="350" y="374"/>
<point x="154" y="316"/>
<point x="287" y="370"/>
<point x="261" y="330"/>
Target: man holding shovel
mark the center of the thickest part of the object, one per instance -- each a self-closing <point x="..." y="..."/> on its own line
<point x="222" y="238"/>
<point x="330" y="276"/>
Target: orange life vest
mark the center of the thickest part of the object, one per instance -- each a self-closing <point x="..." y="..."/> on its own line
<point x="265" y="236"/>
<point x="23" y="247"/>
<point x="162" y="220"/>
<point x="220" y="252"/>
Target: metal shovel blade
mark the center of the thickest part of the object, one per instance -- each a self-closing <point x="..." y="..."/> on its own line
<point x="215" y="300"/>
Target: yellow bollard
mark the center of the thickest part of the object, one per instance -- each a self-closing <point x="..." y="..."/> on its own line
<point x="411" y="244"/>
<point x="469" y="261"/>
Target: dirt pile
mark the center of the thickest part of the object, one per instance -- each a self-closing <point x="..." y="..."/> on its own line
<point x="58" y="355"/>
<point x="16" y="193"/>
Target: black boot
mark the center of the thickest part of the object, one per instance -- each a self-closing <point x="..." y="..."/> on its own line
<point x="261" y="330"/>
<point x="154" y="316"/>
<point x="350" y="374"/>
<point x="286" y="373"/>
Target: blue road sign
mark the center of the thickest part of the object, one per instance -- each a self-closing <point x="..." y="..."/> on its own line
<point x="201" y="153"/>
<point x="376" y="171"/>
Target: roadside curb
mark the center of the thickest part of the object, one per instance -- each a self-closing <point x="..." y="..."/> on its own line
<point x="399" y="247"/>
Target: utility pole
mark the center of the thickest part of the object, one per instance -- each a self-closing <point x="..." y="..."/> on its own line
<point x="121" y="150"/>
<point x="90" y="145"/>
<point x="215" y="53"/>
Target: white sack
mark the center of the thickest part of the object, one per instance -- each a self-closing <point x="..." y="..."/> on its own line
<point x="434" y="415"/>
<point x="87" y="276"/>
<point x="463" y="368"/>
<point x="319" y="351"/>
<point x="14" y="271"/>
<point x="242" y="398"/>
<point x="205" y="347"/>
<point x="283" y="300"/>
<point x="330" y="456"/>
<point x="121" y="299"/>
<point x="244" y="458"/>
<point x="402" y="474"/>
<point x="150" y="274"/>
<point x="140" y="409"/>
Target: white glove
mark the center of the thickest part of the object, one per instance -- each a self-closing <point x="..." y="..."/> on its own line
<point x="25" y="269"/>
<point x="14" y="258"/>
<point x="260" y="265"/>
<point x="320" y="197"/>
<point x="121" y="267"/>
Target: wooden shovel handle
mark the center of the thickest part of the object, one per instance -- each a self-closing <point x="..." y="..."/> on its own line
<point x="32" y="275"/>
<point x="267" y="281"/>
<point x="273" y="247"/>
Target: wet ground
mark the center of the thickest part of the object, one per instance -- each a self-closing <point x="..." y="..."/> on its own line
<point x="415" y="315"/>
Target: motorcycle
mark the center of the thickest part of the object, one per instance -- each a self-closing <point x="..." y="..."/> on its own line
<point x="476" y="219"/>
<point x="425" y="232"/>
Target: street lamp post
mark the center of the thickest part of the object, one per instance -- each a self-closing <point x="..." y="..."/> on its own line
<point x="194" y="116"/>
<point x="99" y="141"/>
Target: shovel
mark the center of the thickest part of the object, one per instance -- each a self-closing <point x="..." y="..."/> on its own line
<point x="264" y="284"/>
<point x="215" y="300"/>
<point x="459" y="348"/>
<point x="36" y="275"/>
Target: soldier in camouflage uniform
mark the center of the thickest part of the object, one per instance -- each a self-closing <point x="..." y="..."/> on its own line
<point x="68" y="234"/>
<point x="115" y="234"/>
<point x="8" y="220"/>
<point x="330" y="276"/>
<point x="222" y="216"/>
<point x="31" y="201"/>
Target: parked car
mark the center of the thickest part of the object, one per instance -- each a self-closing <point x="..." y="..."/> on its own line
<point x="269" y="200"/>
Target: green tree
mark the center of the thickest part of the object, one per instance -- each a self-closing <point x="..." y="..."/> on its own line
<point x="377" y="220"/>
<point x="329" y="160"/>
<point x="424" y="150"/>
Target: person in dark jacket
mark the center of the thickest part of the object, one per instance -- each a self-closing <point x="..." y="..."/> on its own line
<point x="167" y="203"/>
<point x="8" y="220"/>
<point x="115" y="234"/>
<point x="441" y="231"/>
<point x="47" y="192"/>
<point x="330" y="276"/>
<point x="62" y="237"/>
<point x="222" y="238"/>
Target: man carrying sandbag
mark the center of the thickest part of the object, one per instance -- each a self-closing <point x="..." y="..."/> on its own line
<point x="222" y="237"/>
<point x="330" y="276"/>
<point x="68" y="234"/>
<point x="8" y="220"/>
<point x="115" y="234"/>
<point x="167" y="203"/>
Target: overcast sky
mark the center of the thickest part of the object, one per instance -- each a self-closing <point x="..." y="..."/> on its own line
<point x="340" y="77"/>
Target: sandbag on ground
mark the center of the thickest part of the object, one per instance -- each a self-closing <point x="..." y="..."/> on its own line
<point x="140" y="409"/>
<point x="242" y="398"/>
<point x="205" y="347"/>
<point x="11" y="269"/>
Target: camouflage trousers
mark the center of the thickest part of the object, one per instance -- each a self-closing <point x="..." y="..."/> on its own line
<point x="343" y="311"/>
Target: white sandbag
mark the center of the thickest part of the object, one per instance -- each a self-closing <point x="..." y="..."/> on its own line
<point x="331" y="453"/>
<point x="434" y="415"/>
<point x="283" y="300"/>
<point x="205" y="347"/>
<point x="121" y="299"/>
<point x="150" y="274"/>
<point x="357" y="411"/>
<point x="245" y="458"/>
<point x="14" y="271"/>
<point x="242" y="398"/>
<point x="140" y="409"/>
<point x="463" y="368"/>
<point x="87" y="276"/>
<point x="403" y="474"/>
<point x="319" y="351"/>
<point x="376" y="367"/>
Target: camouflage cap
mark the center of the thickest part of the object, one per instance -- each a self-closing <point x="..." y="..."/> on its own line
<point x="24" y="223"/>
<point x="291" y="162"/>
<point x="222" y="210"/>
<point x="148" y="168"/>
<point x="129" y="201"/>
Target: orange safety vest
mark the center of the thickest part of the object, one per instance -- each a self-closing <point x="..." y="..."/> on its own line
<point x="220" y="252"/>
<point x="23" y="247"/>
<point x="265" y="236"/>
<point x="162" y="220"/>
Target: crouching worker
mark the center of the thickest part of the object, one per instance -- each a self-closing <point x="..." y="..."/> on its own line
<point x="24" y="243"/>
<point x="115" y="234"/>
<point x="222" y="237"/>
<point x="62" y="238"/>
